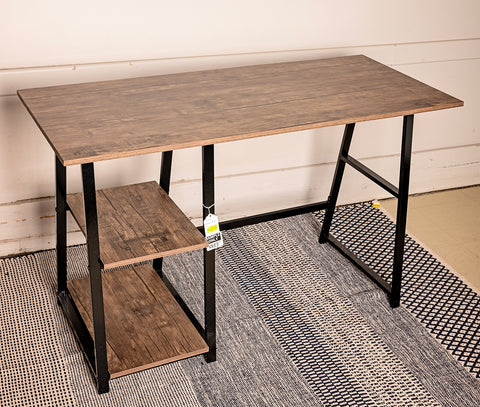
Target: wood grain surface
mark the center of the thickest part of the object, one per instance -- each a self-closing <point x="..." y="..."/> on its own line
<point x="145" y="327"/>
<point x="104" y="120"/>
<point x="138" y="222"/>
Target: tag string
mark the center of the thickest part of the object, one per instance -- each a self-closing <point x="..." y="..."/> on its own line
<point x="208" y="207"/>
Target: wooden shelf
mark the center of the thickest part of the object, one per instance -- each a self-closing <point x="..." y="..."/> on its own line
<point x="145" y="327"/>
<point x="137" y="223"/>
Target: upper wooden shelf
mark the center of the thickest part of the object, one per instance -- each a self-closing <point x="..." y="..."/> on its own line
<point x="104" y="120"/>
<point x="137" y="223"/>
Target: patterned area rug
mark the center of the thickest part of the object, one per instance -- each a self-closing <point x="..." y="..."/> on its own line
<point x="298" y="325"/>
<point x="440" y="300"/>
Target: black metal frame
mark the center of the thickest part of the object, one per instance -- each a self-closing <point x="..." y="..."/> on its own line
<point x="208" y="198"/>
<point x="265" y="217"/>
<point x="94" y="349"/>
<point x="401" y="193"/>
<point x="95" y="271"/>
<point x="61" y="221"/>
<point x="63" y="296"/>
<point x="165" y="175"/>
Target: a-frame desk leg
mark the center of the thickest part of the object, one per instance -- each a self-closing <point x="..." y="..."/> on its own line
<point x="402" y="205"/>
<point x="401" y="193"/>
<point x="95" y="270"/>
<point x="61" y="220"/>
<point x="95" y="348"/>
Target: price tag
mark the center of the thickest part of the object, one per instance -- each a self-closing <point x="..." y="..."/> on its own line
<point x="212" y="232"/>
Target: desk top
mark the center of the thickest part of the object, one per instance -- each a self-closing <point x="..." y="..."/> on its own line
<point x="97" y="121"/>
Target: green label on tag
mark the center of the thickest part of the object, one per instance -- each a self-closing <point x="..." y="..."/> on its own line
<point x="212" y="228"/>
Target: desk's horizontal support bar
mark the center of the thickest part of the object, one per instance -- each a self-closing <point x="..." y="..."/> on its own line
<point x="360" y="264"/>
<point x="380" y="181"/>
<point x="265" y="217"/>
<point x="79" y="328"/>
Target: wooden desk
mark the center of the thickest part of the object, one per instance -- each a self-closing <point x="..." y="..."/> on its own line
<point x="90" y="122"/>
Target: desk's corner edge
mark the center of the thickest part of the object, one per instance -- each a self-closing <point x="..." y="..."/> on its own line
<point x="65" y="163"/>
<point x="454" y="103"/>
<point x="57" y="154"/>
<point x="21" y="96"/>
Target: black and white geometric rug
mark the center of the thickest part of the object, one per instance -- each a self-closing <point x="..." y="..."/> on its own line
<point x="298" y="325"/>
<point x="440" y="300"/>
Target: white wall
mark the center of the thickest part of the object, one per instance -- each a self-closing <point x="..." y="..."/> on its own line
<point x="59" y="41"/>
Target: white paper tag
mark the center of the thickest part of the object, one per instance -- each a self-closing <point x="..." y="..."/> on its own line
<point x="212" y="232"/>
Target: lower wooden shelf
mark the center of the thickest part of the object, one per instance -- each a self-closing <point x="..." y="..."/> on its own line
<point x="145" y="327"/>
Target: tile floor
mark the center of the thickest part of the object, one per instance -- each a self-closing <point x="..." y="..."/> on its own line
<point x="448" y="223"/>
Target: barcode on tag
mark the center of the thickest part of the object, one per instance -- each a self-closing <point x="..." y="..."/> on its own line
<point x="215" y="241"/>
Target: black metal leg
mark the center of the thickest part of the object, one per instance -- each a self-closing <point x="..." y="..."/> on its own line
<point x="337" y="180"/>
<point x="208" y="192"/>
<point x="401" y="193"/>
<point x="100" y="346"/>
<point x="165" y="172"/>
<point x="61" y="218"/>
<point x="401" y="221"/>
